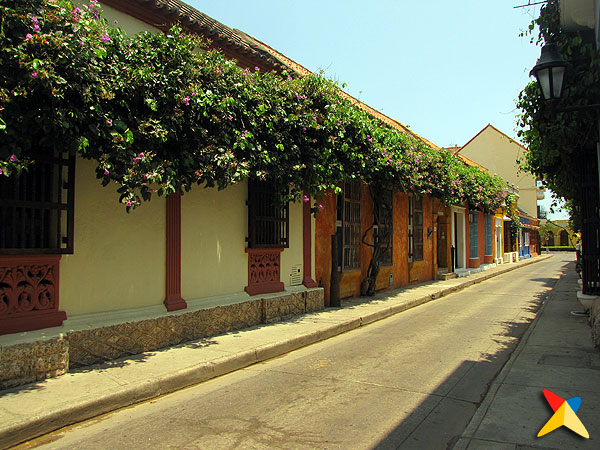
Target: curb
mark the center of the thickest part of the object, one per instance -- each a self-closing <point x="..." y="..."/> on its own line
<point x="465" y="439"/>
<point x="145" y="390"/>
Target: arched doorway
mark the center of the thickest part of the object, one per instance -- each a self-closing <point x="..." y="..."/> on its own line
<point x="564" y="238"/>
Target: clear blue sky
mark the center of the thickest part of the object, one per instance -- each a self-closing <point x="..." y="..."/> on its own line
<point x="445" y="69"/>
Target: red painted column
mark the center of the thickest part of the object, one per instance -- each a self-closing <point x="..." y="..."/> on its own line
<point x="173" y="299"/>
<point x="307" y="246"/>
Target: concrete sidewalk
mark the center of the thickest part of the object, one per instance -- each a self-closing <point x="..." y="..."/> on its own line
<point x="38" y="408"/>
<point x="555" y="353"/>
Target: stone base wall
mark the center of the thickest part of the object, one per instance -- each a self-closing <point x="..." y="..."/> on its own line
<point x="279" y="308"/>
<point x="26" y="363"/>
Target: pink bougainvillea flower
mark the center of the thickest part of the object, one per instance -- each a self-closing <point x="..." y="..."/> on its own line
<point x="128" y="203"/>
<point x="186" y="100"/>
<point x="105" y="37"/>
<point x="13" y="158"/>
<point x="106" y="172"/>
<point x="28" y="37"/>
<point x="306" y="198"/>
<point x="321" y="207"/>
<point x="34" y="74"/>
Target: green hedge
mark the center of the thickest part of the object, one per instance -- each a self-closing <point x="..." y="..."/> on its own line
<point x="559" y="248"/>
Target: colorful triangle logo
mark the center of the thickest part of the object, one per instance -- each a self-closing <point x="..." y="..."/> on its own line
<point x="564" y="415"/>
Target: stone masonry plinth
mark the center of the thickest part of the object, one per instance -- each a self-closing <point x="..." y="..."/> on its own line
<point x="34" y="361"/>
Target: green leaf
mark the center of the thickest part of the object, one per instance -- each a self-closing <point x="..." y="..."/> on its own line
<point x="152" y="104"/>
<point x="100" y="52"/>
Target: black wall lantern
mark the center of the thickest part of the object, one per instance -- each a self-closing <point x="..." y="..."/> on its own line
<point x="550" y="72"/>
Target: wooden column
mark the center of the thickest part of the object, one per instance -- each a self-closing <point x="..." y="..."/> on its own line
<point x="307" y="246"/>
<point x="173" y="299"/>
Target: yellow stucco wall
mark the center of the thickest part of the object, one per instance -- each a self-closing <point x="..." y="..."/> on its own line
<point x="119" y="259"/>
<point x="293" y="255"/>
<point x="214" y="226"/>
<point x="557" y="227"/>
<point x="127" y="23"/>
<point x="499" y="154"/>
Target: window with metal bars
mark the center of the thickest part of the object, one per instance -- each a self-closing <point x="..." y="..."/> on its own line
<point x="37" y="208"/>
<point x="488" y="234"/>
<point x="415" y="228"/>
<point x="473" y="235"/>
<point x="349" y="225"/>
<point x="383" y="230"/>
<point x="268" y="219"/>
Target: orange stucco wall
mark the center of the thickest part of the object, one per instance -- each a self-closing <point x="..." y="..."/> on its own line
<point x="324" y="228"/>
<point x="421" y="271"/>
<point x="441" y="219"/>
<point x="403" y="272"/>
<point x="481" y="236"/>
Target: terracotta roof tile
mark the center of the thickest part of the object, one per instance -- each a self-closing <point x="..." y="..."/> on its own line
<point x="173" y="11"/>
<point x="454" y="150"/>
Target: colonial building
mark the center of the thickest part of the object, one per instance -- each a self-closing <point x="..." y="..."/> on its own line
<point x="98" y="283"/>
<point x="501" y="154"/>
<point x="82" y="281"/>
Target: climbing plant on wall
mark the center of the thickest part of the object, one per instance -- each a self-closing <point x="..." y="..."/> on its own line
<point x="160" y="113"/>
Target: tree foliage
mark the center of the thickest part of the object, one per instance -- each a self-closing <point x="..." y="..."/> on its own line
<point x="559" y="141"/>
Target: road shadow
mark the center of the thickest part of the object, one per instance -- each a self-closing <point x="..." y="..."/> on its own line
<point x="439" y="421"/>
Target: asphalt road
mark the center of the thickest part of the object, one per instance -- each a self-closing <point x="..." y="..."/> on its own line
<point x="411" y="381"/>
